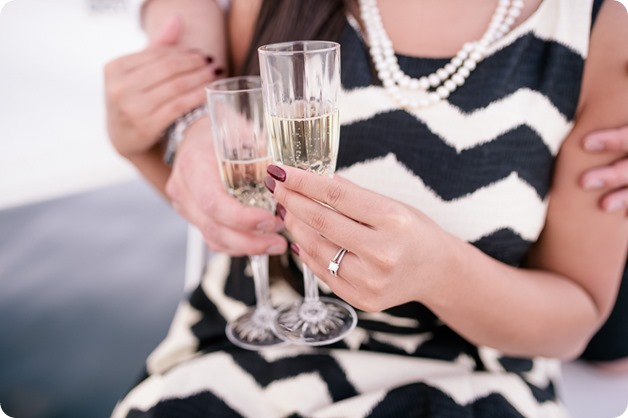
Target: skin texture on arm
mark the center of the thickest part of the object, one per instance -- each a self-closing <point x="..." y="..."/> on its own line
<point x="551" y="309"/>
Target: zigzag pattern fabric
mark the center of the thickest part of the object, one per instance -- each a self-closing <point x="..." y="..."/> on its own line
<point x="480" y="165"/>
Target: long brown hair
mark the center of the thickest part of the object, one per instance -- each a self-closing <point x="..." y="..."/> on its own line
<point x="294" y="20"/>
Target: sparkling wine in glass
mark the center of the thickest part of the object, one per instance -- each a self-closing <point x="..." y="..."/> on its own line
<point x="242" y="149"/>
<point x="301" y="83"/>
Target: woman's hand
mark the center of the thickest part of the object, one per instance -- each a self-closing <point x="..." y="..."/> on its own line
<point x="612" y="177"/>
<point x="198" y="194"/>
<point x="395" y="252"/>
<point x="148" y="90"/>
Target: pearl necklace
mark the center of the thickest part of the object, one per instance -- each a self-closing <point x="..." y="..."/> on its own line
<point x="432" y="88"/>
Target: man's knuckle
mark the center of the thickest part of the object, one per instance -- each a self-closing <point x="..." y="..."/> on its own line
<point x="334" y="194"/>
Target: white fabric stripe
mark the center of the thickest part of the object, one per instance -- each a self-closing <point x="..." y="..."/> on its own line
<point x="180" y="343"/>
<point x="566" y="22"/>
<point x="389" y="319"/>
<point x="508" y="203"/>
<point x="464" y="131"/>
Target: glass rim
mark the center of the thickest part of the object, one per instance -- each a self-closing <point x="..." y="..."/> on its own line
<point x="275" y="48"/>
<point x="211" y="88"/>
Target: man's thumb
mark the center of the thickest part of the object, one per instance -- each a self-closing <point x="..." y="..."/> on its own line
<point x="169" y="32"/>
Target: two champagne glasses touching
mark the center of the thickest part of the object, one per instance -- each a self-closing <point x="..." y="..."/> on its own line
<point x="288" y="116"/>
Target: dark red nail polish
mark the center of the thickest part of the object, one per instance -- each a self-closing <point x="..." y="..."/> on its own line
<point x="219" y="71"/>
<point x="276" y="172"/>
<point x="209" y="59"/>
<point x="295" y="248"/>
<point x="281" y="211"/>
<point x="270" y="184"/>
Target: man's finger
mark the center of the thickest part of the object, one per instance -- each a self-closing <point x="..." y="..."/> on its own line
<point x="169" y="33"/>
<point x="608" y="140"/>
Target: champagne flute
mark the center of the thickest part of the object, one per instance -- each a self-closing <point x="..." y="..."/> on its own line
<point x="242" y="149"/>
<point x="301" y="83"/>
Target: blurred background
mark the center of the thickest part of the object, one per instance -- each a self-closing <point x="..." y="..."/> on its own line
<point x="92" y="259"/>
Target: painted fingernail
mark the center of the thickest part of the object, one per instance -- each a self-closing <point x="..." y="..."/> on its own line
<point x="219" y="71"/>
<point x="275" y="249"/>
<point x="615" y="205"/>
<point x="209" y="59"/>
<point x="591" y="184"/>
<point x="266" y="226"/>
<point x="281" y="211"/>
<point x="270" y="184"/>
<point x="276" y="172"/>
<point x="295" y="248"/>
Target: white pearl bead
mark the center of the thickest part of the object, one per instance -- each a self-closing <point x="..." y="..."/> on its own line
<point x="424" y="102"/>
<point x="391" y="60"/>
<point x="463" y="55"/>
<point x="433" y="98"/>
<point x="392" y="90"/>
<point x="518" y="4"/>
<point x="388" y="83"/>
<point x="458" y="79"/>
<point x="514" y="12"/>
<point x="442" y="92"/>
<point x="397" y="75"/>
<point x="463" y="71"/>
<point x="457" y="61"/>
<point x="404" y="82"/>
<point x="450" y="68"/>
<point x="414" y="104"/>
<point x="451" y="85"/>
<point x="476" y="56"/>
<point x="442" y="74"/>
<point x="434" y="80"/>
<point x="468" y="47"/>
<point x="470" y="64"/>
<point x="424" y="83"/>
<point x="384" y="74"/>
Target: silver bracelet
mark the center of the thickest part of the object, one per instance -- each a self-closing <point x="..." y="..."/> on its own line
<point x="175" y="132"/>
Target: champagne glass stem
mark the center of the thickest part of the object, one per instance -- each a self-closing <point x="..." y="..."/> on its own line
<point x="259" y="265"/>
<point x="310" y="285"/>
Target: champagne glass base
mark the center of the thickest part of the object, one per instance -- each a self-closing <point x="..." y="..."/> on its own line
<point x="253" y="330"/>
<point x="319" y="322"/>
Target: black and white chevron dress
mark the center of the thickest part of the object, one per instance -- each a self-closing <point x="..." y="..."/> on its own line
<point x="479" y="165"/>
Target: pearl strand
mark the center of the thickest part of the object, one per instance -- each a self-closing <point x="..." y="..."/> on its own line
<point x="432" y="88"/>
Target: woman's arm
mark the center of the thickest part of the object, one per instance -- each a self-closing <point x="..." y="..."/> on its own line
<point x="550" y="310"/>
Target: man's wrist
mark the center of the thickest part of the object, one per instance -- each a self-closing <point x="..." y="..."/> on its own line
<point x="176" y="132"/>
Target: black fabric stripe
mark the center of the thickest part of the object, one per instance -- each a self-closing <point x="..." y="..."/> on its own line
<point x="448" y="173"/>
<point x="504" y="245"/>
<point x="546" y="394"/>
<point x="547" y="67"/>
<point x="325" y="366"/>
<point x="597" y="5"/>
<point x="422" y="400"/>
<point x="201" y="405"/>
<point x="240" y="286"/>
<point x="210" y="329"/>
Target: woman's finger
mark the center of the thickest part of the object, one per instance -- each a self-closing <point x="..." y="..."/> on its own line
<point x="165" y="68"/>
<point x="345" y="197"/>
<point x="331" y="224"/>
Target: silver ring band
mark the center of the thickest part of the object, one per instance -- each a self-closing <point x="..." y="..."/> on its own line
<point x="334" y="264"/>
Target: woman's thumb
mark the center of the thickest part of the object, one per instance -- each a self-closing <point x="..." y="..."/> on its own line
<point x="169" y="32"/>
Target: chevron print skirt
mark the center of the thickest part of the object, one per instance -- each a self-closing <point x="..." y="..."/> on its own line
<point x="392" y="365"/>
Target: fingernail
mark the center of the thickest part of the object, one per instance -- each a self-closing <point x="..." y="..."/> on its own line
<point x="281" y="211"/>
<point x="276" y="172"/>
<point x="295" y="248"/>
<point x="270" y="184"/>
<point x="594" y="145"/>
<point x="615" y="205"/>
<point x="266" y="226"/>
<point x="591" y="184"/>
<point x="275" y="249"/>
<point x="209" y="59"/>
<point x="219" y="71"/>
